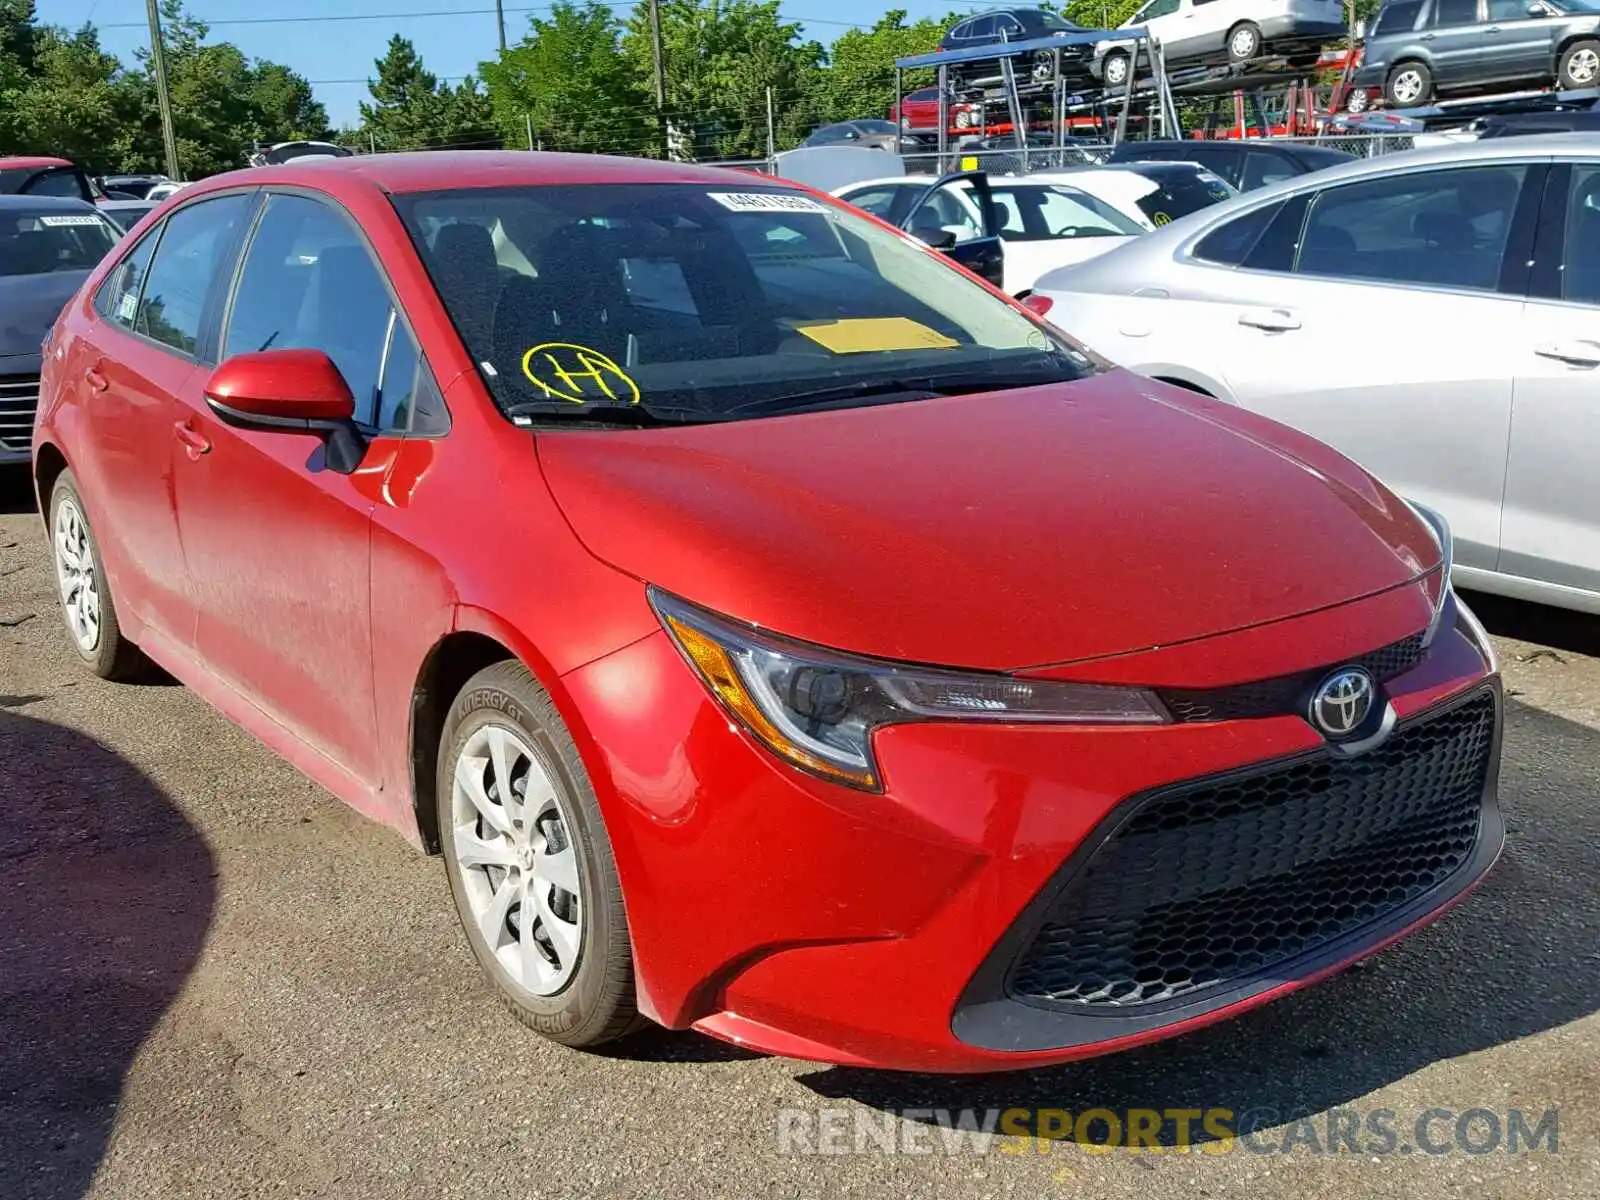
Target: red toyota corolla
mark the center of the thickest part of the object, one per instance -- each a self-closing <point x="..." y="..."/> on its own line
<point x="778" y="632"/>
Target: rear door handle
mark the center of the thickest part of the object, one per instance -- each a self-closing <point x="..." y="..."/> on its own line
<point x="1576" y="353"/>
<point x="1274" y="320"/>
<point x="1427" y="37"/>
<point x="195" y="442"/>
<point x="96" y="381"/>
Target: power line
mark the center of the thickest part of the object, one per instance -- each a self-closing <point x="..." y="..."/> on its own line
<point x="396" y="16"/>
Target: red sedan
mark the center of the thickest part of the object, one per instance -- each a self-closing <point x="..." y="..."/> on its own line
<point x="777" y="631"/>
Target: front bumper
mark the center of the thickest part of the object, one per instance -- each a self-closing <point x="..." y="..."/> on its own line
<point x="809" y="920"/>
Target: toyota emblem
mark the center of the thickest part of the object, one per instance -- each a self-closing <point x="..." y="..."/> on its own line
<point x="1342" y="702"/>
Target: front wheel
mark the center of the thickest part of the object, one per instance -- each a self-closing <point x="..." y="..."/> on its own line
<point x="1244" y="42"/>
<point x="1408" y="85"/>
<point x="1114" y="71"/>
<point x="530" y="864"/>
<point x="1580" y="65"/>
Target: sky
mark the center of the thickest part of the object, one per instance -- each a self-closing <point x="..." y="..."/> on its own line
<point x="334" y="43"/>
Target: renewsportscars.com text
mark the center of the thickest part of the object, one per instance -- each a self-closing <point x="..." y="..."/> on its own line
<point x="1375" y="1132"/>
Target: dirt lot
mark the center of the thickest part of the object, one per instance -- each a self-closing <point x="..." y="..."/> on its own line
<point x="217" y="981"/>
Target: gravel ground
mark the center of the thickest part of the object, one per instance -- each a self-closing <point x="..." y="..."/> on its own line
<point x="217" y="981"/>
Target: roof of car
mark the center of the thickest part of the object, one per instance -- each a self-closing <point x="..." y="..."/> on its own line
<point x="24" y="162"/>
<point x="446" y="169"/>
<point x="26" y="201"/>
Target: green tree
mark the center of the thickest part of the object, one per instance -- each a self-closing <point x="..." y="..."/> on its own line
<point x="722" y="56"/>
<point x="71" y="100"/>
<point x="570" y="82"/>
<point x="861" y="80"/>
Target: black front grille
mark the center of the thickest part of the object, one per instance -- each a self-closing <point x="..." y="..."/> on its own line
<point x="1284" y="694"/>
<point x="1209" y="883"/>
<point x="19" y="398"/>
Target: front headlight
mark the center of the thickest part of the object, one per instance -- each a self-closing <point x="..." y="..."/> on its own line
<point x="817" y="709"/>
<point x="1441" y="534"/>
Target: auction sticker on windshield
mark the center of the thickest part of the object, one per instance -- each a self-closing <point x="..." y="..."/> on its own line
<point x="57" y="222"/>
<point x="865" y="334"/>
<point x="766" y="202"/>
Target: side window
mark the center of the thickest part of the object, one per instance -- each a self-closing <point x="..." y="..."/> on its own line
<point x="186" y="268"/>
<point x="1439" y="228"/>
<point x="118" y="298"/>
<point x="960" y="31"/>
<point x="1008" y="27"/>
<point x="1398" y="18"/>
<point x="309" y="283"/>
<point x="1161" y="8"/>
<point x="1580" y="272"/>
<point x="877" y="201"/>
<point x="983" y="27"/>
<point x="1508" y="10"/>
<point x="408" y="400"/>
<point x="1229" y="243"/>
<point x="1261" y="169"/>
<point x="1447" y="13"/>
<point x="64" y="182"/>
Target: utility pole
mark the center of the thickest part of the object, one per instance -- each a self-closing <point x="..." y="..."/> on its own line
<point x="772" y="132"/>
<point x="158" y="63"/>
<point x="658" y="61"/>
<point x="500" y="21"/>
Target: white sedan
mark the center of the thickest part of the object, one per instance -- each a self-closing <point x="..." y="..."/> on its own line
<point x="1055" y="218"/>
<point x="1435" y="315"/>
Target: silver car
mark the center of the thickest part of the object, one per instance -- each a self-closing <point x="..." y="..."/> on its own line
<point x="1434" y="315"/>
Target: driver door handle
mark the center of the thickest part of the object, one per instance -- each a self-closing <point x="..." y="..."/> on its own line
<point x="96" y="381"/>
<point x="1274" y="320"/>
<point x="195" y="442"/>
<point x="1575" y="353"/>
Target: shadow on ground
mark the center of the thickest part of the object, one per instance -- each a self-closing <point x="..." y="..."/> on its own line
<point x="106" y="892"/>
<point x="16" y="490"/>
<point x="1519" y="957"/>
<point x="1557" y="629"/>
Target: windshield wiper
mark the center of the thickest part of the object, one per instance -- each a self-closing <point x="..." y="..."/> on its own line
<point x="635" y="416"/>
<point x="910" y="388"/>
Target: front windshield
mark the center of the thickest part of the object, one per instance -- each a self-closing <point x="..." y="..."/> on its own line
<point x="39" y="243"/>
<point x="702" y="302"/>
<point x="1042" y="214"/>
<point x="1175" y="194"/>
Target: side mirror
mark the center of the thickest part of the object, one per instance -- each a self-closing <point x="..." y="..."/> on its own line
<point x="934" y="237"/>
<point x="290" y="391"/>
<point x="1536" y="10"/>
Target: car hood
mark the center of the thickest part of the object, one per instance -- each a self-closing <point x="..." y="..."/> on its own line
<point x="30" y="304"/>
<point x="1021" y="528"/>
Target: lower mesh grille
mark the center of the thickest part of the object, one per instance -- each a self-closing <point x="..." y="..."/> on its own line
<point x="1212" y="882"/>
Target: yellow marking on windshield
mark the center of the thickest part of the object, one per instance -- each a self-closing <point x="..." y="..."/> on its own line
<point x="862" y="334"/>
<point x="566" y="371"/>
<point x="1159" y="219"/>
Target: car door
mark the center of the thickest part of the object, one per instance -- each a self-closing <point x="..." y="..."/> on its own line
<point x="1165" y="23"/>
<point x="1464" y="51"/>
<point x="1376" y="320"/>
<point x="1551" y="529"/>
<point x="1206" y="24"/>
<point x="1524" y="43"/>
<point x="962" y="198"/>
<point x="134" y="363"/>
<point x="278" y="544"/>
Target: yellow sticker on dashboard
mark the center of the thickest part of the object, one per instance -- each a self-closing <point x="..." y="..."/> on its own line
<point x="579" y="374"/>
<point x="860" y="335"/>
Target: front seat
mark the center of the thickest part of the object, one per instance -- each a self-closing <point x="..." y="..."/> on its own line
<point x="467" y="274"/>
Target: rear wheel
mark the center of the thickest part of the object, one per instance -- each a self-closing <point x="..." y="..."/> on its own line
<point x="1409" y="84"/>
<point x="1244" y="42"/>
<point x="1580" y="65"/>
<point x="530" y="863"/>
<point x="86" y="602"/>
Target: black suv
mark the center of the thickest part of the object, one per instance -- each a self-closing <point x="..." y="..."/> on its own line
<point x="1421" y="48"/>
<point x="1247" y="164"/>
<point x="1014" y="25"/>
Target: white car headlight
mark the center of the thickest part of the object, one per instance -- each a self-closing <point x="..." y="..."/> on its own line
<point x="1441" y="534"/>
<point x="817" y="709"/>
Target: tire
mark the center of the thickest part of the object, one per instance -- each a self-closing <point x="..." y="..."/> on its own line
<point x="1244" y="42"/>
<point x="964" y="119"/>
<point x="1580" y="66"/>
<point x="1114" y="70"/>
<point x="575" y="985"/>
<point x="1357" y="101"/>
<point x="1044" y="66"/>
<point x="87" y="606"/>
<point x="1409" y="84"/>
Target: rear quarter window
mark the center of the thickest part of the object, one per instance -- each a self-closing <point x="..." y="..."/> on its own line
<point x="1397" y="18"/>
